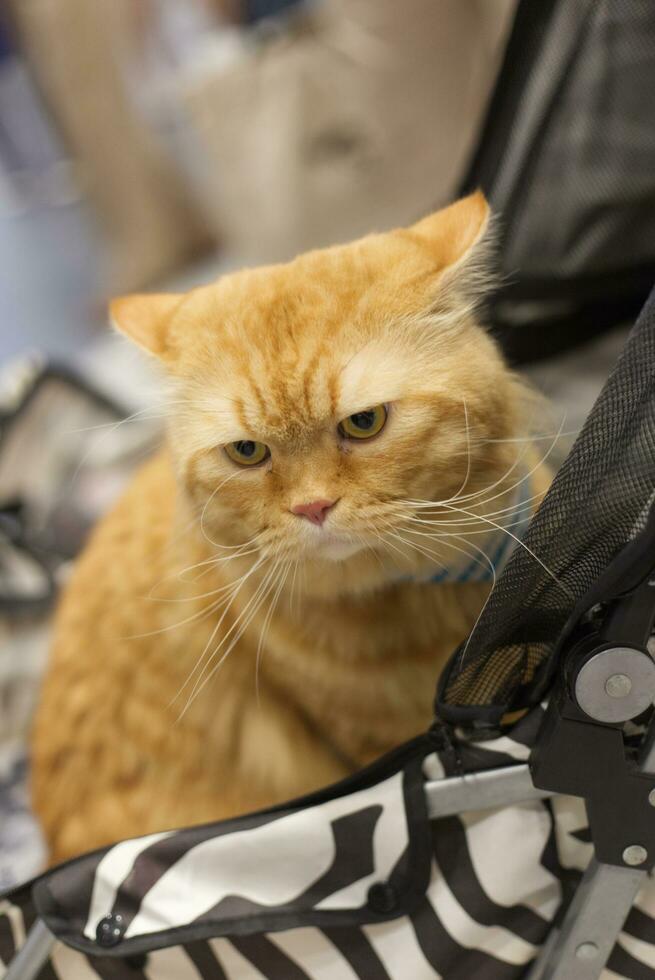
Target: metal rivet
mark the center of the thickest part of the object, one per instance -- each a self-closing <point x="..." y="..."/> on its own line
<point x="587" y="951"/>
<point x="110" y="930"/>
<point x="651" y="797"/>
<point x="618" y="686"/>
<point x="382" y="897"/>
<point x="635" y="854"/>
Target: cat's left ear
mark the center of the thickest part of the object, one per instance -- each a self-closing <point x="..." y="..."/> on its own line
<point x="460" y="239"/>
<point x="145" y="318"/>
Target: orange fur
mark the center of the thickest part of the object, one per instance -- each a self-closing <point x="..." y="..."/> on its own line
<point x="338" y="662"/>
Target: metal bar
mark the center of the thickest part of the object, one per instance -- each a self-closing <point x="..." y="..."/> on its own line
<point x="31" y="957"/>
<point x="580" y="949"/>
<point x="482" y="790"/>
<point x="592" y="924"/>
<point x="596" y="915"/>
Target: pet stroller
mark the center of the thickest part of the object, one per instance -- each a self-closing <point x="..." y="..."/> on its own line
<point x="567" y="159"/>
<point x="516" y="837"/>
<point x="466" y="852"/>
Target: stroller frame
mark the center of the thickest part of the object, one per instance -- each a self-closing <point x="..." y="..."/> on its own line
<point x="590" y="928"/>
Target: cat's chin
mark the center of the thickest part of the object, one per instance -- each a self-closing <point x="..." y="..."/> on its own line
<point x="335" y="549"/>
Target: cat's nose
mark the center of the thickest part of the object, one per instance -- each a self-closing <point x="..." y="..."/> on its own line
<point x="316" y="511"/>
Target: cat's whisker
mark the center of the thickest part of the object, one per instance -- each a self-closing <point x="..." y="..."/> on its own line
<point x="492" y="569"/>
<point x="209" y="500"/>
<point x="259" y="590"/>
<point x="235" y="547"/>
<point x="385" y="545"/>
<point x="449" y="534"/>
<point x="211" y="564"/>
<point x="504" y="529"/>
<point x="213" y="559"/>
<point x="158" y="408"/>
<point x="389" y="544"/>
<point x="369" y="547"/>
<point x="265" y="626"/>
<point x="293" y="586"/>
<point x="425" y="551"/>
<point x="197" y="616"/>
<point x="216" y="628"/>
<point x="181" y="576"/>
<point x="111" y="428"/>
<point x="260" y="595"/>
<point x="468" y="449"/>
<point x="193" y="598"/>
<point x="464" y="551"/>
<point x="135" y="417"/>
<point x="526" y="507"/>
<point x="207" y="611"/>
<point x="481" y="493"/>
<point x="534" y="438"/>
<point x="521" y="544"/>
<point x="214" y="565"/>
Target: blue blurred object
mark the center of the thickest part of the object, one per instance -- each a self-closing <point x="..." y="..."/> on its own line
<point x="6" y="46"/>
<point x="50" y="252"/>
<point x="256" y="10"/>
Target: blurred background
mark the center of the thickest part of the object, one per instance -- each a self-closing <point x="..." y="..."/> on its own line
<point x="154" y="144"/>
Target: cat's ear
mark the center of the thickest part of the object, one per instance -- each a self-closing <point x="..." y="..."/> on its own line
<point x="460" y="239"/>
<point x="145" y="318"/>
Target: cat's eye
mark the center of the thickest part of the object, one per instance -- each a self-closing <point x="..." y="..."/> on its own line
<point x="245" y="452"/>
<point x="364" y="425"/>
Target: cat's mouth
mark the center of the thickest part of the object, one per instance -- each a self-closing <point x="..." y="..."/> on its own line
<point x="332" y="546"/>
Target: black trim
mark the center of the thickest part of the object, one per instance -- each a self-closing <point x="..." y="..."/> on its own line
<point x="529" y="29"/>
<point x="479" y="716"/>
<point x="560" y="315"/>
<point x="407" y="758"/>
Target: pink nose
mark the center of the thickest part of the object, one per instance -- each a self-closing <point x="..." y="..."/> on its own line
<point x="316" y="511"/>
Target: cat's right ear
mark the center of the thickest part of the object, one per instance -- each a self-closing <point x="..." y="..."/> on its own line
<point x="145" y="318"/>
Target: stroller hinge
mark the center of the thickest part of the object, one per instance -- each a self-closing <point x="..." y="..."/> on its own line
<point x="583" y="748"/>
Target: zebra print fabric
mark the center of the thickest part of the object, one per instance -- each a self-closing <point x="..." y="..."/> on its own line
<point x="353" y="884"/>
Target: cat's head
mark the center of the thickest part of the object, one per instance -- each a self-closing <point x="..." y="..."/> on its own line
<point x="316" y="401"/>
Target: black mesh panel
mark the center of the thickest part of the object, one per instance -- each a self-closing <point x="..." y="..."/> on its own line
<point x="597" y="501"/>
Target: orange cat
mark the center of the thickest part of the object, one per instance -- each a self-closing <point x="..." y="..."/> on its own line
<point x="257" y="616"/>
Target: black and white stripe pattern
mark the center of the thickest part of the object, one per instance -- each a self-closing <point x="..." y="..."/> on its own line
<point x="321" y="858"/>
<point x="497" y="879"/>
